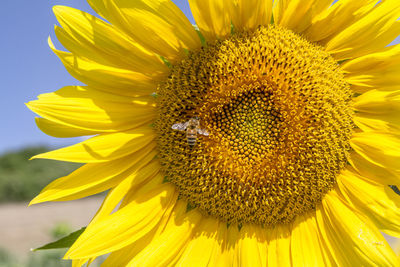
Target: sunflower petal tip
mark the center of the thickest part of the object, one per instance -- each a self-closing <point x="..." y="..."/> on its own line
<point x="33" y="202"/>
<point x="57" y="9"/>
<point x="50" y="43"/>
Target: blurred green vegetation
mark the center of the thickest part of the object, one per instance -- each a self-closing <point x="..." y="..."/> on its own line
<point x="44" y="258"/>
<point x="60" y="230"/>
<point x="22" y="179"/>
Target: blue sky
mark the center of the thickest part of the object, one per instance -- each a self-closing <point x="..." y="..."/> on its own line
<point x="29" y="68"/>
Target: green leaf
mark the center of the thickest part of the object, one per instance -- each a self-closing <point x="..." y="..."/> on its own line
<point x="64" y="242"/>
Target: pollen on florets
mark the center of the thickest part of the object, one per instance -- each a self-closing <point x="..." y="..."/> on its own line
<point x="279" y="117"/>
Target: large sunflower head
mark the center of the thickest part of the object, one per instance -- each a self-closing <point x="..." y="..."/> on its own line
<point x="266" y="134"/>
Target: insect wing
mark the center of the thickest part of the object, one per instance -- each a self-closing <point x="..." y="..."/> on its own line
<point x="203" y="132"/>
<point x="180" y="126"/>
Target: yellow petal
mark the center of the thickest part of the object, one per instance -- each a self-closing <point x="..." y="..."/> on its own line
<point x="60" y="130"/>
<point x="381" y="78"/>
<point x="372" y="171"/>
<point x="216" y="258"/>
<point x="145" y="178"/>
<point x="229" y="252"/>
<point x="380" y="148"/>
<point x="146" y="186"/>
<point x="249" y="14"/>
<point x="378" y="102"/>
<point x="375" y="105"/>
<point x="279" y="245"/>
<point x="159" y="25"/>
<point x="123" y="256"/>
<point x="212" y="18"/>
<point x="125" y="225"/>
<point x="368" y="123"/>
<point x="252" y="246"/>
<point x="94" y="178"/>
<point x="297" y="15"/>
<point x="306" y="245"/>
<point x="336" y="18"/>
<point x="89" y="109"/>
<point x="99" y="7"/>
<point x="104" y="147"/>
<point x="164" y="249"/>
<point x="343" y="230"/>
<point x="380" y="60"/>
<point x="378" y="202"/>
<point x="370" y="33"/>
<point x="201" y="246"/>
<point x="115" y="80"/>
<point x="88" y="36"/>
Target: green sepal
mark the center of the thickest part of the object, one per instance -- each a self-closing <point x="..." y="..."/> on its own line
<point x="201" y="36"/>
<point x="190" y="207"/>
<point x="166" y="61"/>
<point x="340" y="62"/>
<point x="395" y="189"/>
<point x="233" y="31"/>
<point x="64" y="242"/>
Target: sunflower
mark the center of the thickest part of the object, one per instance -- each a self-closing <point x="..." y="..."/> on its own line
<point x="266" y="134"/>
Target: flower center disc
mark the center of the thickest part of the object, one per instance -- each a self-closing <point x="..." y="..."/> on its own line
<point x="278" y="113"/>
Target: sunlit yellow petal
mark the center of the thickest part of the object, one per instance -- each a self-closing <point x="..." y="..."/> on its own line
<point x="103" y="147"/>
<point x="373" y="171"/>
<point x="158" y="25"/>
<point x="99" y="7"/>
<point x="60" y="130"/>
<point x="338" y="17"/>
<point x="374" y="106"/>
<point x="116" y="80"/>
<point x="99" y="111"/>
<point x="212" y="18"/>
<point x="124" y="226"/>
<point x="380" y="60"/>
<point x="94" y="178"/>
<point x="368" y="123"/>
<point x="252" y="246"/>
<point x="279" y="246"/>
<point x="379" y="202"/>
<point x="228" y="256"/>
<point x="249" y="14"/>
<point x="351" y="232"/>
<point x="165" y="248"/>
<point x="372" y="32"/>
<point x="88" y="36"/>
<point x="377" y="71"/>
<point x="123" y="256"/>
<point x="380" y="148"/>
<point x="297" y="15"/>
<point x="306" y="244"/>
<point x="200" y="248"/>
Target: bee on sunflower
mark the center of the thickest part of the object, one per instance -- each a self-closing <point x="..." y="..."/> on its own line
<point x="295" y="141"/>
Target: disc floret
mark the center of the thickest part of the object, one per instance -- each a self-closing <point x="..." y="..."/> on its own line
<point x="278" y="113"/>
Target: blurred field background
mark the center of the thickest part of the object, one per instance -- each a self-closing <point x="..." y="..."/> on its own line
<point x="23" y="228"/>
